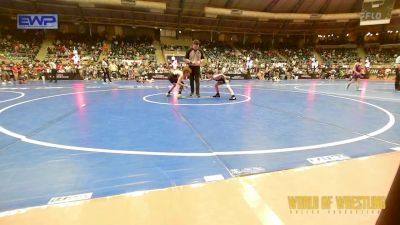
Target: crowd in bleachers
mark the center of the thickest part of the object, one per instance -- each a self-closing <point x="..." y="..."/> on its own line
<point x="379" y="56"/>
<point x="257" y="61"/>
<point x="338" y="56"/>
<point x="130" y="58"/>
<point x="222" y="55"/>
<point x="88" y="47"/>
<point x="140" y="48"/>
<point x="19" y="44"/>
<point x="27" y="70"/>
<point x="123" y="69"/>
<point x="301" y="57"/>
<point x="239" y="59"/>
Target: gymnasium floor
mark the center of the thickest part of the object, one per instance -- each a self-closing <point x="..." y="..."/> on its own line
<point x="79" y="137"/>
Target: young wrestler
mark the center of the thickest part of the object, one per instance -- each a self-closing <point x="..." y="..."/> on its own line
<point x="358" y="71"/>
<point x="177" y="78"/>
<point x="220" y="79"/>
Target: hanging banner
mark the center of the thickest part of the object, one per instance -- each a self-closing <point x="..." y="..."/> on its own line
<point x="376" y="12"/>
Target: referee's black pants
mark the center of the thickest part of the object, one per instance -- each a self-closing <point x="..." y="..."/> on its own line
<point x="106" y="74"/>
<point x="195" y="76"/>
<point x="53" y="75"/>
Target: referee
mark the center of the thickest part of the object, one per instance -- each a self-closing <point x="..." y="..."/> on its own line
<point x="106" y="72"/>
<point x="53" y="73"/>
<point x="194" y="57"/>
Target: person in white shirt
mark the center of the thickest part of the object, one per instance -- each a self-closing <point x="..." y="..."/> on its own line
<point x="174" y="66"/>
<point x="387" y="71"/>
<point x="68" y="68"/>
<point x="113" y="68"/>
<point x="174" y="63"/>
<point x="367" y="66"/>
<point x="249" y="64"/>
<point x="76" y="58"/>
<point x="314" y="64"/>
<point x="53" y="71"/>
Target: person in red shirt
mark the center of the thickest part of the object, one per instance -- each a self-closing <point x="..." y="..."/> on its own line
<point x="22" y="78"/>
<point x="14" y="70"/>
<point x="39" y="68"/>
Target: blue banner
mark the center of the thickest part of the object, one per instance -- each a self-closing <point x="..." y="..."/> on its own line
<point x="37" y="21"/>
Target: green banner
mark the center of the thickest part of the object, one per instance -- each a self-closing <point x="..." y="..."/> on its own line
<point x="376" y="12"/>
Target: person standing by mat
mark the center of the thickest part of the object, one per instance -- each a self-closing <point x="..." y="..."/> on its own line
<point x="53" y="71"/>
<point x="194" y="57"/>
<point x="397" y="80"/>
<point x="106" y="72"/>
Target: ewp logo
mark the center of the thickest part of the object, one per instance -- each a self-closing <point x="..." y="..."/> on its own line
<point x="37" y="21"/>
